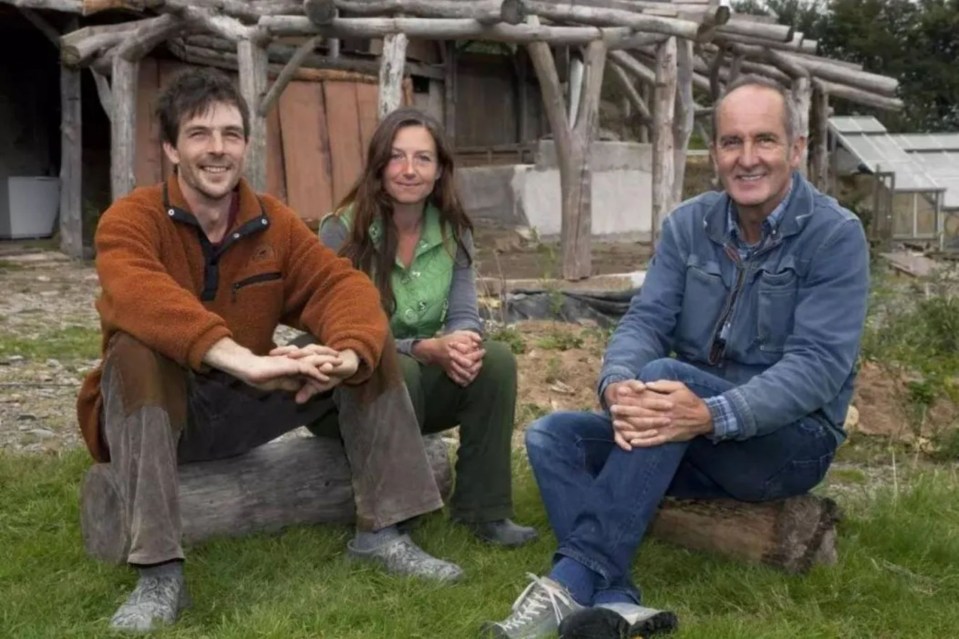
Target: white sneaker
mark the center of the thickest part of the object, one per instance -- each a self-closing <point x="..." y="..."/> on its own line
<point x="537" y="612"/>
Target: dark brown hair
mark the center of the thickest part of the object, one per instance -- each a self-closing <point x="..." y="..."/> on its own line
<point x="370" y="201"/>
<point x="191" y="93"/>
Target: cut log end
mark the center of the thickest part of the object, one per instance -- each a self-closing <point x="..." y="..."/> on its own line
<point x="513" y="11"/>
<point x="320" y="12"/>
<point x="792" y="534"/>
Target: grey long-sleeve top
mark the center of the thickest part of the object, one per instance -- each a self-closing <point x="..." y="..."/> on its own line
<point x="462" y="310"/>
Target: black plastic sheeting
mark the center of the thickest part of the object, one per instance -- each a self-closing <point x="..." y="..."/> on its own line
<point x="603" y="307"/>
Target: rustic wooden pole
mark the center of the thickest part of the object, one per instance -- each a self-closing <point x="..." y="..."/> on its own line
<point x="123" y="126"/>
<point x="572" y="150"/>
<point x="460" y="29"/>
<point x="392" y="62"/>
<point x="251" y="59"/>
<point x="286" y="75"/>
<point x="663" y="114"/>
<point x="485" y="11"/>
<point x="715" y="88"/>
<point x="568" y="11"/>
<point x="645" y="131"/>
<point x="282" y="54"/>
<point x="742" y="25"/>
<point x="865" y="98"/>
<point x="819" y="141"/>
<point x="577" y="73"/>
<point x="449" y="92"/>
<point x="631" y="94"/>
<point x="522" y="98"/>
<point x="684" y="116"/>
<point x="802" y="95"/>
<point x="71" y="163"/>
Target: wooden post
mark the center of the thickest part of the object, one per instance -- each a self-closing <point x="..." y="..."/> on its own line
<point x="802" y="94"/>
<point x="819" y="140"/>
<point x="663" y="113"/>
<point x="391" y="73"/>
<point x="522" y="98"/>
<point x="251" y="60"/>
<point x="71" y="163"/>
<point x="645" y="131"/>
<point x="685" y="114"/>
<point x="632" y="96"/>
<point x="449" y="92"/>
<point x="123" y="126"/>
<point x="573" y="145"/>
<point x="296" y="60"/>
<point x="575" y="85"/>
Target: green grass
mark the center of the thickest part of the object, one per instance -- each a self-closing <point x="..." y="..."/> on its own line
<point x="72" y="342"/>
<point x="896" y="578"/>
<point x="7" y="265"/>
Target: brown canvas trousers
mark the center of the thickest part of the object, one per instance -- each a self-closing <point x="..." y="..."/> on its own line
<point x="157" y="415"/>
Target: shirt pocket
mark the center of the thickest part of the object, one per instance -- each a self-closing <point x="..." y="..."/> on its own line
<point x="261" y="287"/>
<point x="703" y="300"/>
<point x="776" y="308"/>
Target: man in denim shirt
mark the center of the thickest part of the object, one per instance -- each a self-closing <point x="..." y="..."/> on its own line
<point x="729" y="376"/>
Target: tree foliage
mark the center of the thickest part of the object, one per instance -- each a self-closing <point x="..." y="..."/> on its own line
<point x="916" y="41"/>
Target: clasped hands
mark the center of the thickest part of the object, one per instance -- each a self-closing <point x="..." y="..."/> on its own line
<point x="304" y="370"/>
<point x="647" y="414"/>
<point x="460" y="355"/>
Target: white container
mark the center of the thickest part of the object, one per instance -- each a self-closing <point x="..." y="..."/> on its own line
<point x="31" y="207"/>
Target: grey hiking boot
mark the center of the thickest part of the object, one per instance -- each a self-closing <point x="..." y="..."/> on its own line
<point x="503" y="532"/>
<point x="537" y="612"/>
<point x="156" y="601"/>
<point x="401" y="556"/>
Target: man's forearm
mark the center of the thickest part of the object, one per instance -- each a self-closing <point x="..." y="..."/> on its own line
<point x="228" y="356"/>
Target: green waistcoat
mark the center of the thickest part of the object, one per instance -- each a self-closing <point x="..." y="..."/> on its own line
<point x="422" y="290"/>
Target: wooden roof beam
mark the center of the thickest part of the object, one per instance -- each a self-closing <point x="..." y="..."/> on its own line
<point x="568" y="11"/>
<point x="826" y="70"/>
<point x="485" y="11"/>
<point x="450" y="29"/>
<point x="865" y="98"/>
<point x="739" y="26"/>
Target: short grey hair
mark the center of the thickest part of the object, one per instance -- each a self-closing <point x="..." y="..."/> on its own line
<point x="790" y="117"/>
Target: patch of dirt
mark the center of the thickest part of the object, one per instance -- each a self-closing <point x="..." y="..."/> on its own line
<point x="504" y="253"/>
<point x="882" y="398"/>
<point x="44" y="293"/>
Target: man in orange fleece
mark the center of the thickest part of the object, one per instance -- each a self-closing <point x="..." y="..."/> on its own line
<point x="197" y="273"/>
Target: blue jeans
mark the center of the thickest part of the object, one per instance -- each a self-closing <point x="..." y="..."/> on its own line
<point x="601" y="499"/>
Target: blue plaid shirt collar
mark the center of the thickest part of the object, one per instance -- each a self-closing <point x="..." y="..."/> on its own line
<point x="770" y="224"/>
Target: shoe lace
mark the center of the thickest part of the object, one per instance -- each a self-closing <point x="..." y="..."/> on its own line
<point x="539" y="595"/>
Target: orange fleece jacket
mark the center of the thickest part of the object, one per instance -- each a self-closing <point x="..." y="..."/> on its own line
<point x="271" y="269"/>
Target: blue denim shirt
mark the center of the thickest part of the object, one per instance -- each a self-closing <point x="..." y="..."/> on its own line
<point x="793" y="310"/>
<point x="725" y="424"/>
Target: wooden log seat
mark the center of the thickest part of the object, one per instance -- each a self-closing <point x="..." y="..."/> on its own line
<point x="298" y="480"/>
<point x="793" y="534"/>
<point x="307" y="481"/>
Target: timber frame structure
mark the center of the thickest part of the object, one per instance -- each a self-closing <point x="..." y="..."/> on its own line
<point x="668" y="49"/>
